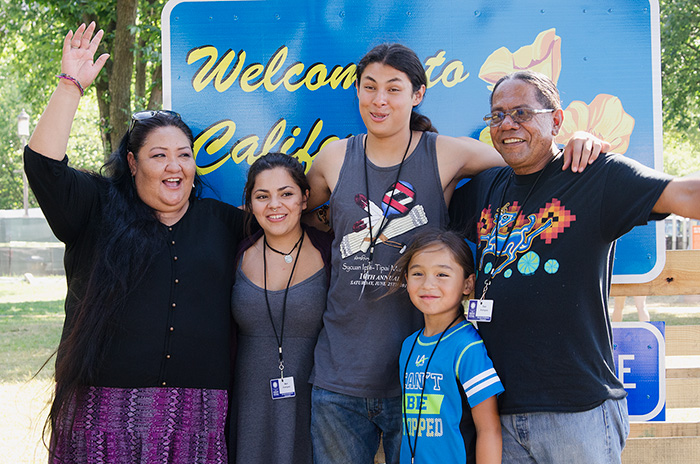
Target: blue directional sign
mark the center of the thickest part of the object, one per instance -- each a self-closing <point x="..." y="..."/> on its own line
<point x="639" y="349"/>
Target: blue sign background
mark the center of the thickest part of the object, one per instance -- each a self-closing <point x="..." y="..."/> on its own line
<point x="646" y="342"/>
<point x="606" y="48"/>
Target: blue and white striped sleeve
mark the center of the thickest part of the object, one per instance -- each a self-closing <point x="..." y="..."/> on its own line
<point x="475" y="371"/>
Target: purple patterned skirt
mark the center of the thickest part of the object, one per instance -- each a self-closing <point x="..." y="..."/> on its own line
<point x="144" y="425"/>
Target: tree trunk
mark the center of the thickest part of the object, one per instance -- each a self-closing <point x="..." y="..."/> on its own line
<point x="101" y="84"/>
<point x="102" y="90"/>
<point x="140" y="73"/>
<point x="122" y="68"/>
<point x="155" y="102"/>
<point x="103" y="105"/>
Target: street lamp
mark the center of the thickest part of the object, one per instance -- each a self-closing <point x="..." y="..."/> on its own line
<point x="23" y="133"/>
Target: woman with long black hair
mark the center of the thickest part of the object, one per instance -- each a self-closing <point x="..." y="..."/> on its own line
<point x="143" y="366"/>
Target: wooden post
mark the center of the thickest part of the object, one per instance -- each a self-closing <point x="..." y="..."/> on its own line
<point x="680" y="276"/>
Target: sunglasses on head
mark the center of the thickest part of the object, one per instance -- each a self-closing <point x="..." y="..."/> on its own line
<point x="143" y="115"/>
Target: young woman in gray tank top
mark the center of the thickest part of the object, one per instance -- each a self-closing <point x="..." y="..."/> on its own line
<point x="278" y="301"/>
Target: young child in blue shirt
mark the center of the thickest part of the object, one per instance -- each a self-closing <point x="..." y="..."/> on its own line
<point x="450" y="413"/>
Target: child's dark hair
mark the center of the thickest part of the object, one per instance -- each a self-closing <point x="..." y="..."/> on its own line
<point x="427" y="238"/>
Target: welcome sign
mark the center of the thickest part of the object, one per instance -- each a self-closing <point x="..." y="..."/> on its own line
<point x="252" y="77"/>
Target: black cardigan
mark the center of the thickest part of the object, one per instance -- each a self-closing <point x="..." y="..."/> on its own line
<point x="176" y="326"/>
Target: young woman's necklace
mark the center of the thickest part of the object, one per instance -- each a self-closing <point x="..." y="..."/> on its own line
<point x="287" y="256"/>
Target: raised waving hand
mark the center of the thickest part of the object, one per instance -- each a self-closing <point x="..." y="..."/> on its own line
<point x="79" y="52"/>
<point x="78" y="71"/>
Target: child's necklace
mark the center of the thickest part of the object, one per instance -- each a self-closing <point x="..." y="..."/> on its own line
<point x="422" y="392"/>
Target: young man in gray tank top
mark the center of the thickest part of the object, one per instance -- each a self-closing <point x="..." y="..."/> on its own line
<point x="382" y="186"/>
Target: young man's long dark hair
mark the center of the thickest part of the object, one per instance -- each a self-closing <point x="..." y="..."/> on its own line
<point x="405" y="60"/>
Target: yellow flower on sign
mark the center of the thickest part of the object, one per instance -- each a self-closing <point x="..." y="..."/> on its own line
<point x="543" y="56"/>
<point x="604" y="117"/>
<point x="485" y="136"/>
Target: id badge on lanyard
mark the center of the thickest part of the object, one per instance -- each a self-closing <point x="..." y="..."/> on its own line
<point x="479" y="310"/>
<point x="282" y="388"/>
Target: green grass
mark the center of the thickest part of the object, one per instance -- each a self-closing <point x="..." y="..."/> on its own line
<point x="670" y="318"/>
<point x="29" y="334"/>
<point x="32" y="308"/>
<point x="31" y="319"/>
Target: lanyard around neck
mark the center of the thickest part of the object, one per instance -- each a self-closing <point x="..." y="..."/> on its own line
<point x="373" y="237"/>
<point x="413" y="448"/>
<point x="498" y="254"/>
<point x="280" y="337"/>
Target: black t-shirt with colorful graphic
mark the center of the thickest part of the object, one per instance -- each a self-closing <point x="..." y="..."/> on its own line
<point x="550" y="337"/>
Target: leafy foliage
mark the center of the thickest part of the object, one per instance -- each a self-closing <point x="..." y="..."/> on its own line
<point x="680" y="55"/>
<point x="10" y="156"/>
<point x="31" y="35"/>
<point x="681" y="150"/>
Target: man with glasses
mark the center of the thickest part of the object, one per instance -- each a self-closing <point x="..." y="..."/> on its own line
<point x="545" y="239"/>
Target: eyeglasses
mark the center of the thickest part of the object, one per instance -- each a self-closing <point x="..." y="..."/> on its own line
<point x="143" y="115"/>
<point x="518" y="115"/>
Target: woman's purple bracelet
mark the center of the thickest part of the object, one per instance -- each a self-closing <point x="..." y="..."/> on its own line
<point x="73" y="80"/>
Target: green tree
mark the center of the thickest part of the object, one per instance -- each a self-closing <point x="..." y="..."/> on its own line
<point x="10" y="157"/>
<point x="31" y="35"/>
<point x="680" y="152"/>
<point x="680" y="55"/>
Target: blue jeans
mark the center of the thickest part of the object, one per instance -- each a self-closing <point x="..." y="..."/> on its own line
<point x="596" y="436"/>
<point x="346" y="429"/>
